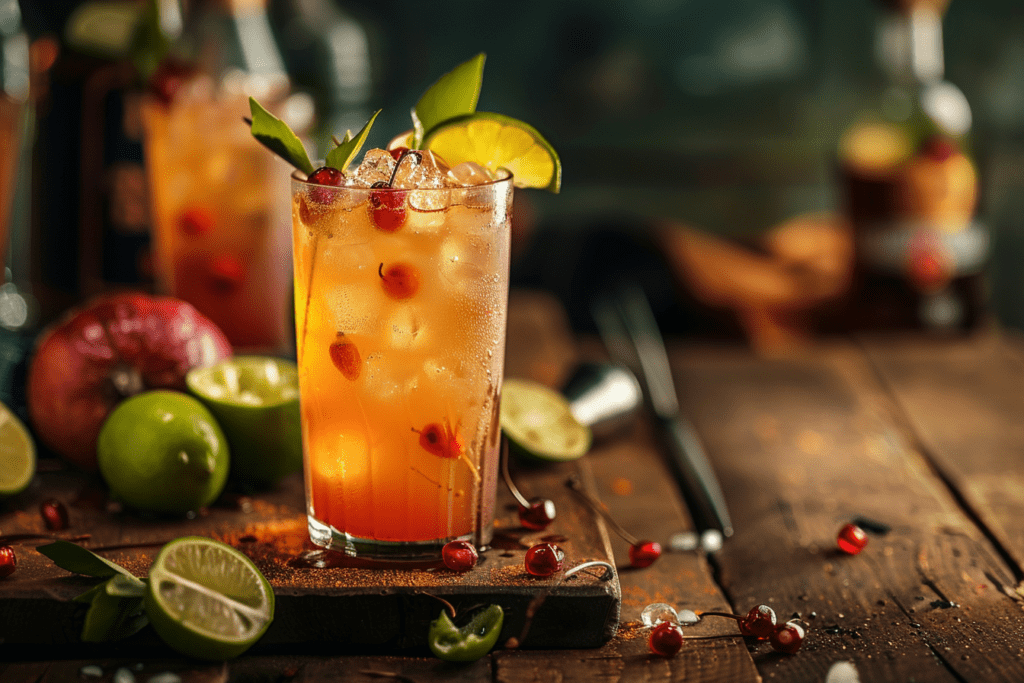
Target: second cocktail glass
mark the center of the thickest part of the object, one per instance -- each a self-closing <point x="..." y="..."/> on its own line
<point x="400" y="311"/>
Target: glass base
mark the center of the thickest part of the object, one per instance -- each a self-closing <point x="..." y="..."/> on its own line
<point x="330" y="538"/>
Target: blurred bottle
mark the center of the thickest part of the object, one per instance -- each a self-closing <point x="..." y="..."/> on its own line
<point x="911" y="187"/>
<point x="16" y="306"/>
<point x="327" y="51"/>
<point x="220" y="202"/>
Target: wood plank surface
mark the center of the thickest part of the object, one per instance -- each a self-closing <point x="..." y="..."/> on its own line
<point x="806" y="444"/>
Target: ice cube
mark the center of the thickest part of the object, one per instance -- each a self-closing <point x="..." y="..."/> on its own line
<point x="469" y="173"/>
<point x="420" y="169"/>
<point x="658" y="612"/>
<point x="377" y="167"/>
<point x="465" y="262"/>
<point x="405" y="329"/>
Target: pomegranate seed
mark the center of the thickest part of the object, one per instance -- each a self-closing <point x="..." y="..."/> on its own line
<point x="644" y="553"/>
<point x="787" y="638"/>
<point x="666" y="639"/>
<point x="759" y="622"/>
<point x="387" y="209"/>
<point x="851" y="539"/>
<point x="54" y="514"/>
<point x="8" y="561"/>
<point x="538" y="515"/>
<point x="196" y="221"/>
<point x="345" y="357"/>
<point x="325" y="175"/>
<point x="227" y="272"/>
<point x="459" y="556"/>
<point x="400" y="280"/>
<point x="544" y="559"/>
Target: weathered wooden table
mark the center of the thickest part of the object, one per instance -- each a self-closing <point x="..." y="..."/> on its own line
<point x="923" y="437"/>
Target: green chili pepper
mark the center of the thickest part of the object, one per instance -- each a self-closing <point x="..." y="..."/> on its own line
<point x="469" y="643"/>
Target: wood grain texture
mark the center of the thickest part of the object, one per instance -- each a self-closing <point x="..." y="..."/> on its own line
<point x="802" y="446"/>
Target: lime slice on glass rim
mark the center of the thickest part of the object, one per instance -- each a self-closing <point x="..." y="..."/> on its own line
<point x="539" y="424"/>
<point x="256" y="402"/>
<point x="497" y="141"/>
<point x="207" y="600"/>
<point x="17" y="454"/>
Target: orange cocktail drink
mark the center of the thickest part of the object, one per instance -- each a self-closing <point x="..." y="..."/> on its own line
<point x="221" y="230"/>
<point x="400" y="309"/>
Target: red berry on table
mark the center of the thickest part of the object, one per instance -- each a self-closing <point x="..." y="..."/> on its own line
<point x="399" y="280"/>
<point x="55" y="515"/>
<point x="787" y="638"/>
<point x="387" y="209"/>
<point x="851" y="539"/>
<point x="8" y="561"/>
<point x="544" y="559"/>
<point x="196" y="221"/>
<point x="759" y="622"/>
<point x="644" y="553"/>
<point x="459" y="556"/>
<point x="538" y="515"/>
<point x="325" y="175"/>
<point x="345" y="356"/>
<point x="666" y="639"/>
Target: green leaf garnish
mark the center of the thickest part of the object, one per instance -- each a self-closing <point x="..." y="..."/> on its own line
<point x="75" y="558"/>
<point x="454" y="94"/>
<point x="149" y="43"/>
<point x="112" y="614"/>
<point x="342" y="155"/>
<point x="275" y="135"/>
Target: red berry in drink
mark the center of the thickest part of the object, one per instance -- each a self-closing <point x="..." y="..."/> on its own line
<point x="851" y="539"/>
<point x="538" y="515"/>
<point x="387" y="209"/>
<point x="440" y="440"/>
<point x="55" y="515"/>
<point x="544" y="559"/>
<point x="8" y="561"/>
<point x="644" y="553"/>
<point x="325" y="175"/>
<point x="345" y="357"/>
<point x="397" y="152"/>
<point x="787" y="638"/>
<point x="759" y="622"/>
<point x="666" y="639"/>
<point x="227" y="272"/>
<point x="168" y="78"/>
<point x="399" y="280"/>
<point x="196" y="221"/>
<point x="459" y="556"/>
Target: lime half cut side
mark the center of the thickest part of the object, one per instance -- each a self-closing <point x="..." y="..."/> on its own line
<point x="207" y="600"/>
<point x="539" y="423"/>
<point x="17" y="454"/>
<point x="497" y="141"/>
<point x="256" y="401"/>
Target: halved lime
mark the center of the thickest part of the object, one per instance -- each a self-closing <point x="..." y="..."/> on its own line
<point x="256" y="401"/>
<point x="17" y="454"/>
<point x="496" y="141"/>
<point x="206" y="599"/>
<point x="539" y="423"/>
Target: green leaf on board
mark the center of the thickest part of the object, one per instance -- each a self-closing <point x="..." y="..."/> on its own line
<point x="75" y="558"/>
<point x="111" y="616"/>
<point x="343" y="154"/>
<point x="275" y="135"/>
<point x="454" y="94"/>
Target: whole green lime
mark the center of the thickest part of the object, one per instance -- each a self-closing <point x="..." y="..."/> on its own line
<point x="256" y="402"/>
<point x="163" y="451"/>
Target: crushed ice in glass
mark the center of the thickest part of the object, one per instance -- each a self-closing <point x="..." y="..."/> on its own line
<point x="377" y="167"/>
<point x="658" y="612"/>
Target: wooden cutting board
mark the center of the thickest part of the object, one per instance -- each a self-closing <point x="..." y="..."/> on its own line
<point x="324" y="602"/>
